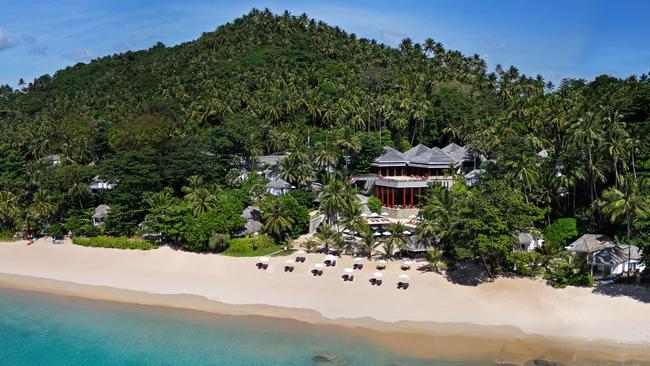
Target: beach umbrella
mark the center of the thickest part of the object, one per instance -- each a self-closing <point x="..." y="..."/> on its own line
<point x="412" y="217"/>
<point x="346" y="231"/>
<point x="300" y="252"/>
<point x="348" y="270"/>
<point x="378" y="274"/>
<point x="403" y="276"/>
<point x="384" y="213"/>
<point x="358" y="259"/>
<point x="330" y="257"/>
<point x="407" y="263"/>
<point x="363" y="214"/>
<point x="382" y="261"/>
<point x="406" y="232"/>
<point x="289" y="261"/>
<point x="386" y="233"/>
<point x="376" y="233"/>
<point x="264" y="259"/>
<point x="319" y="265"/>
<point x="374" y="214"/>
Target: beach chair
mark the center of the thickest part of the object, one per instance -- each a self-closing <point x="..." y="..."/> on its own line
<point x="400" y="284"/>
<point x="333" y="264"/>
<point x="345" y="277"/>
<point x="359" y="266"/>
<point x="379" y="282"/>
<point x="320" y="272"/>
<point x="381" y="267"/>
<point x="373" y="281"/>
<point x="288" y="268"/>
<point x="405" y="285"/>
<point x="265" y="266"/>
<point x="351" y="278"/>
<point x="405" y="268"/>
<point x="314" y="272"/>
<point x="328" y="262"/>
<point x="259" y="265"/>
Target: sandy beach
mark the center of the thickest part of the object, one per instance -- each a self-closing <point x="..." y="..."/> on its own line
<point x="509" y="320"/>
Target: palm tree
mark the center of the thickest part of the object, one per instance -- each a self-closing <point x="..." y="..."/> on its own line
<point x="397" y="230"/>
<point x="368" y="243"/>
<point x="8" y="206"/>
<point x="629" y="203"/>
<point x="333" y="200"/>
<point x="588" y="132"/>
<point x="525" y="172"/>
<point x="328" y="236"/>
<point x="201" y="200"/>
<point x="310" y="245"/>
<point x="42" y="206"/>
<point x="78" y="190"/>
<point x="352" y="218"/>
<point x="388" y="248"/>
<point x="276" y="221"/>
<point x="159" y="201"/>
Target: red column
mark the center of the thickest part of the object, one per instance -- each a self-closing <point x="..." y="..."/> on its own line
<point x="419" y="195"/>
<point x="403" y="197"/>
<point x="411" y="203"/>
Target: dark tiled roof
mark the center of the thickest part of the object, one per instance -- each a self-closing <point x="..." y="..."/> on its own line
<point x="590" y="243"/>
<point x="617" y="255"/>
<point x="391" y="155"/>
<point x="278" y="183"/>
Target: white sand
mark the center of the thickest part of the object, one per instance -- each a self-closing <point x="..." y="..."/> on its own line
<point x="531" y="306"/>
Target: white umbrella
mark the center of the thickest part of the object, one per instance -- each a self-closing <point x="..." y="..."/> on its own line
<point x="358" y="259"/>
<point x="407" y="263"/>
<point x="348" y="270"/>
<point x="300" y="252"/>
<point x="329" y="257"/>
<point x="406" y="232"/>
<point x="378" y="274"/>
<point x="383" y="261"/>
<point x="363" y="215"/>
<point x="289" y="261"/>
<point x="384" y="213"/>
<point x="346" y="231"/>
<point x="412" y="217"/>
<point x="319" y="265"/>
<point x="374" y="214"/>
<point x="403" y="276"/>
<point x="264" y="259"/>
<point x="386" y="233"/>
<point x="376" y="233"/>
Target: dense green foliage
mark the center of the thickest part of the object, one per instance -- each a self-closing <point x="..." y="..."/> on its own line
<point x="174" y="127"/>
<point x="251" y="247"/>
<point x="114" y="242"/>
<point x="559" y="234"/>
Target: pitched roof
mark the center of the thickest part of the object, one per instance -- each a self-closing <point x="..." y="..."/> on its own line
<point x="253" y="226"/>
<point x="590" y="243"/>
<point x="415" y="151"/>
<point x="391" y="155"/>
<point x="278" y="183"/>
<point x="434" y="156"/>
<point x="525" y="238"/>
<point x="251" y="212"/>
<point x="101" y="211"/>
<point x="617" y="255"/>
<point x="458" y="153"/>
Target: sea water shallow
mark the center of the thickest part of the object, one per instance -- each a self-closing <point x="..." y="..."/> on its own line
<point x="38" y="329"/>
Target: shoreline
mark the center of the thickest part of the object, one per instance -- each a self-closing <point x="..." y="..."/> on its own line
<point x="510" y="320"/>
<point x="436" y="341"/>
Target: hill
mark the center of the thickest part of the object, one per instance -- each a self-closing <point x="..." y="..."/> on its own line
<point x="268" y="83"/>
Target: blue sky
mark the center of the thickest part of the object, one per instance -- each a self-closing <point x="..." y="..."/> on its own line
<point x="558" y="39"/>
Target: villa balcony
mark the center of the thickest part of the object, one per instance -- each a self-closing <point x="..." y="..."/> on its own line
<point x="404" y="181"/>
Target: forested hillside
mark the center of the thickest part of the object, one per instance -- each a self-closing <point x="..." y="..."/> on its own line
<point x="270" y="83"/>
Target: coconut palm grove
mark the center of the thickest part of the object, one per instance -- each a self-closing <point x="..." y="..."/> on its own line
<point x="279" y="117"/>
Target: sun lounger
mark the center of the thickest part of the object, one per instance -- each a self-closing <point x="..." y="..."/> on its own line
<point x="314" y="272"/>
<point x="406" y="268"/>
<point x="378" y="282"/>
<point x="320" y="272"/>
<point x="381" y="267"/>
<point x="373" y="281"/>
<point x="328" y="262"/>
<point x="345" y="277"/>
<point x="333" y="264"/>
<point x="400" y="284"/>
<point x="405" y="285"/>
<point x="288" y="268"/>
<point x="259" y="265"/>
<point x="351" y="278"/>
<point x="265" y="266"/>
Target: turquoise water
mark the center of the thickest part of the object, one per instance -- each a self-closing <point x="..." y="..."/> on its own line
<point x="37" y="329"/>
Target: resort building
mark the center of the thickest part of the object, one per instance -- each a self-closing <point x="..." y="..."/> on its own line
<point x="401" y="178"/>
<point x="100" y="214"/>
<point x="99" y="184"/>
<point x="277" y="187"/>
<point x="615" y="261"/>
<point x="527" y="242"/>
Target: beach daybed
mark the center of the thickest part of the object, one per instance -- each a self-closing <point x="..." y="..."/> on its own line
<point x="357" y="266"/>
<point x="402" y="285"/>
<point x="347" y="277"/>
<point x="288" y="268"/>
